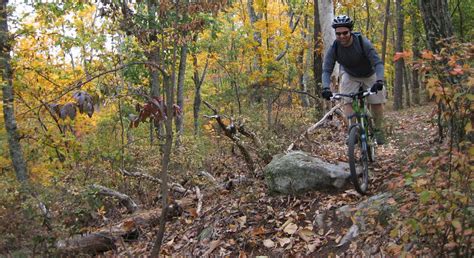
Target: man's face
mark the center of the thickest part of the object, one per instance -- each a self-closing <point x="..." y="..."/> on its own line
<point x="343" y="35"/>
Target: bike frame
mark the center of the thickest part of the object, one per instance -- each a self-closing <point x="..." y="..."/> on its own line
<point x="362" y="113"/>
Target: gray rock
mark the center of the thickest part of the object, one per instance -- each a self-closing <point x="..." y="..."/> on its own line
<point x="298" y="172"/>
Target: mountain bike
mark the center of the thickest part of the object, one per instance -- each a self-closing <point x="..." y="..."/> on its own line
<point x="361" y="142"/>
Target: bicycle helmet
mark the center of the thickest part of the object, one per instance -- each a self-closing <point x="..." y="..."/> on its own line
<point x="342" y="21"/>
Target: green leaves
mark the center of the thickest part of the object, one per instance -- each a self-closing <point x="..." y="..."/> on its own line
<point x="425" y="196"/>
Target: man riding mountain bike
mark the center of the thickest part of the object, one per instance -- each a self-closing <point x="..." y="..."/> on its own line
<point x="360" y="65"/>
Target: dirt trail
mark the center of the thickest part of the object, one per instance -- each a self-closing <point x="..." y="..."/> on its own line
<point x="244" y="220"/>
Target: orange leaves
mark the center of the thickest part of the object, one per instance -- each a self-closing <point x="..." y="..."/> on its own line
<point x="427" y="54"/>
<point x="457" y="70"/>
<point x="401" y="55"/>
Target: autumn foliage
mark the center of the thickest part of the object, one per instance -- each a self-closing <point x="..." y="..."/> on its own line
<point x="442" y="181"/>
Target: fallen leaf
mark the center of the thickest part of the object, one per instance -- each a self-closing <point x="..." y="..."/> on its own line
<point x="242" y="220"/>
<point x="313" y="245"/>
<point x="233" y="227"/>
<point x="268" y="243"/>
<point x="286" y="223"/>
<point x="258" y="231"/>
<point x="391" y="201"/>
<point x="128" y="225"/>
<point x="213" y="245"/>
<point x="192" y="212"/>
<point x="291" y="228"/>
<point x="306" y="234"/>
<point x="283" y="241"/>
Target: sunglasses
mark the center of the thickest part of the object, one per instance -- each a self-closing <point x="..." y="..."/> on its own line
<point x="342" y="33"/>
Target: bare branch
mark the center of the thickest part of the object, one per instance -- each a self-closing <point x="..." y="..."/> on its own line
<point x="174" y="186"/>
<point x="314" y="126"/>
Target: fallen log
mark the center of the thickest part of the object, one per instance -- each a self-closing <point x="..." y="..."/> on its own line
<point x="105" y="238"/>
<point x="124" y="199"/>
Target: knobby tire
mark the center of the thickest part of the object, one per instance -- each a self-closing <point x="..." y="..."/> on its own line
<point x="358" y="159"/>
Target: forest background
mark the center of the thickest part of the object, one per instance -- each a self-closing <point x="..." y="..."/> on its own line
<point x="102" y="98"/>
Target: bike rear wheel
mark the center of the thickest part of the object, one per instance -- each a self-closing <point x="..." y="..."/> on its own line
<point x="358" y="159"/>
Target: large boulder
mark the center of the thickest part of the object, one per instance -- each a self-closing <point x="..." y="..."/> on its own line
<point x="298" y="172"/>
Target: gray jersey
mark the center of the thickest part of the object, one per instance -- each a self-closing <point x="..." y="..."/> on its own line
<point x="352" y="60"/>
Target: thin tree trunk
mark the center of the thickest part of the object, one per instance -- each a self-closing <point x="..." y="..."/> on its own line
<point x="169" y="90"/>
<point x="416" y="43"/>
<point x="197" y="88"/>
<point x="385" y="30"/>
<point x="399" y="64"/>
<point x="153" y="57"/>
<point x="406" y="82"/>
<point x="235" y="85"/>
<point x="416" y="84"/>
<point x="257" y="37"/>
<point x="180" y="90"/>
<point x="461" y="21"/>
<point x="14" y="145"/>
<point x="318" y="61"/>
<point x="367" y="25"/>
<point x="197" y="95"/>
<point x="302" y="67"/>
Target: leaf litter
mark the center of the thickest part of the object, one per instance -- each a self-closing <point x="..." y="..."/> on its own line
<point x="247" y="221"/>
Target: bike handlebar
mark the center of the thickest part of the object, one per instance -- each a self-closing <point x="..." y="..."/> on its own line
<point x="360" y="94"/>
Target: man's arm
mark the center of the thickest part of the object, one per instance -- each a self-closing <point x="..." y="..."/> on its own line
<point x="374" y="59"/>
<point x="328" y="67"/>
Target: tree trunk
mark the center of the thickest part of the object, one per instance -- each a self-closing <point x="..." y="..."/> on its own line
<point x="197" y="95"/>
<point x="416" y="44"/>
<point x="385" y="30"/>
<point x="318" y="60"/>
<point x="301" y="64"/>
<point x="461" y="20"/>
<point x="180" y="90"/>
<point x="437" y="21"/>
<point x="406" y="82"/>
<point x="153" y="56"/>
<point x="169" y="90"/>
<point x="198" y="80"/>
<point x="416" y="86"/>
<point x="367" y="24"/>
<point x="307" y="62"/>
<point x="399" y="64"/>
<point x="256" y="65"/>
<point x="14" y="146"/>
<point x="326" y="16"/>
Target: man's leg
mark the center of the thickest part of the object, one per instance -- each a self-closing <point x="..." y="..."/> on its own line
<point x="377" y="111"/>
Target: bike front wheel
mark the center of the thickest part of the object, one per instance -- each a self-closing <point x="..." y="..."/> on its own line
<point x="358" y="159"/>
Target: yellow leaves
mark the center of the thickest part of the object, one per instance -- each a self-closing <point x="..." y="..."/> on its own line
<point x="468" y="127"/>
<point x="41" y="173"/>
<point x="4" y="162"/>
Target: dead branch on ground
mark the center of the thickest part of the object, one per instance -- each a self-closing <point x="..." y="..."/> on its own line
<point x="314" y="126"/>
<point x="174" y="186"/>
<point x="123" y="198"/>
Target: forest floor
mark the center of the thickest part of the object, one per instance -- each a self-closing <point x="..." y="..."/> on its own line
<point x="244" y="220"/>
